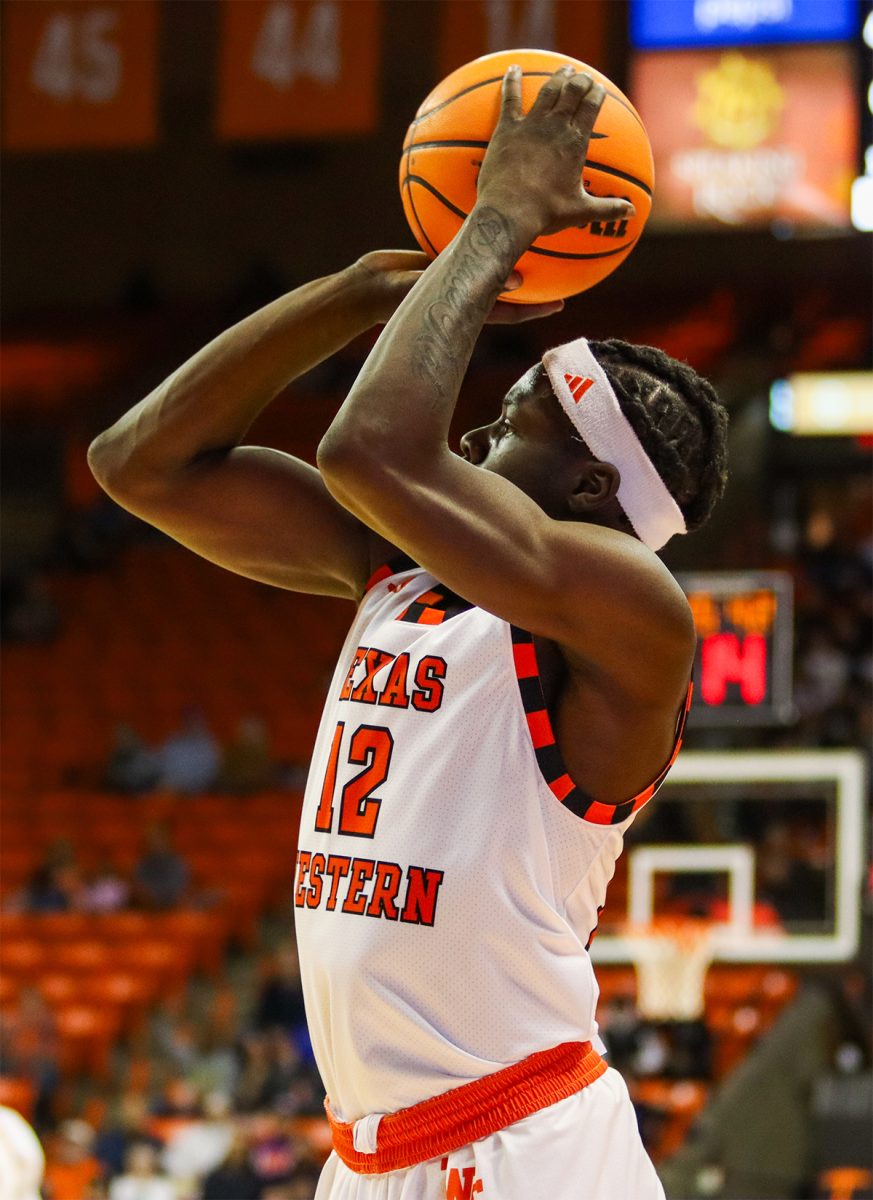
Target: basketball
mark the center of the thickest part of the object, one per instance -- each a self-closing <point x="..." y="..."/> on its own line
<point x="445" y="144"/>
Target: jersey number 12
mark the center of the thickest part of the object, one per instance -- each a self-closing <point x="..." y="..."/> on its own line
<point x="370" y="747"/>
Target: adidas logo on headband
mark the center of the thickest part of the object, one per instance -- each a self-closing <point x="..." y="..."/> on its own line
<point x="578" y="385"/>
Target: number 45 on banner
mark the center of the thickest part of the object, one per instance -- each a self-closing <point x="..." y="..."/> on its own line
<point x="79" y="74"/>
<point x="297" y="68"/>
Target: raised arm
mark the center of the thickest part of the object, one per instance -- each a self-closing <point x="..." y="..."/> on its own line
<point x="595" y="591"/>
<point x="175" y="459"/>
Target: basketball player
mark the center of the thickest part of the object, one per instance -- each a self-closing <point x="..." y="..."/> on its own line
<point x="512" y="690"/>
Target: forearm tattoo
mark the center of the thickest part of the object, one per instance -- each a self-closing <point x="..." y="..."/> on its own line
<point x="454" y="320"/>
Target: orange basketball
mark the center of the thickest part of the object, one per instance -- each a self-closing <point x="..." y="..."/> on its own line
<point x="445" y="144"/>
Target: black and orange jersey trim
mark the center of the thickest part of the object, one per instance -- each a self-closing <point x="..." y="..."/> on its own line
<point x="549" y="757"/>
<point x="432" y="607"/>
<point x="394" y="566"/>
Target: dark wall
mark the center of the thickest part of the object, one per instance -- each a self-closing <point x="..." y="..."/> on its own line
<point x="195" y="213"/>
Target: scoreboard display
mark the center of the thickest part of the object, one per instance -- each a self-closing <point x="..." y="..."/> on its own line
<point x="743" y="664"/>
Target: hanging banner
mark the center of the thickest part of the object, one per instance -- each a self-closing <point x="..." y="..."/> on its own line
<point x="297" y="68"/>
<point x="470" y="28"/>
<point x="79" y="74"/>
<point x="741" y="138"/>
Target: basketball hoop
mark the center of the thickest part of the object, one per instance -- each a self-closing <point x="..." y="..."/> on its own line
<point x="671" y="956"/>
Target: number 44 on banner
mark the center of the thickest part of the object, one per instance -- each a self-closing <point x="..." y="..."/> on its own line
<point x="283" y="51"/>
<point x="297" y="68"/>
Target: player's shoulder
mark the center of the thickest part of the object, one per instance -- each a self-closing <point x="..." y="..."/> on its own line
<point x="639" y="631"/>
<point x="639" y="578"/>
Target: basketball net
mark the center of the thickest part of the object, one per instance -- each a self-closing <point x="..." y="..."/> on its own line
<point x="671" y="957"/>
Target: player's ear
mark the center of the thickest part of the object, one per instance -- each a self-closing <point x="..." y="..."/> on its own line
<point x="597" y="484"/>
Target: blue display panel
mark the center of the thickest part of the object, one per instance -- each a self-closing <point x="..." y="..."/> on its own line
<point x="674" y="23"/>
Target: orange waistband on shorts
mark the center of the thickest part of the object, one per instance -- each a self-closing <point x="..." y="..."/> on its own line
<point x="475" y="1110"/>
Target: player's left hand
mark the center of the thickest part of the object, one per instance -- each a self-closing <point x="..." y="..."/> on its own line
<point x="388" y="275"/>
<point x="506" y="313"/>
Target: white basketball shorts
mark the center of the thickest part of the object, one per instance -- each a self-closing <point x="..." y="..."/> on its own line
<point x="586" y="1147"/>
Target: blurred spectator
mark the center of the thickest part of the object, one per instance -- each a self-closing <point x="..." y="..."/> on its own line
<point x="274" y="1153"/>
<point x="44" y="893"/>
<point x="161" y="877"/>
<point x="29" y="1048"/>
<point x="824" y="673"/>
<point x="620" y="1028"/>
<point x="303" y="1184"/>
<point x="190" y="758"/>
<point x="207" y="1063"/>
<point x="292" y="775"/>
<point x="30" y="613"/>
<point x="106" y="891"/>
<point x="129" y="1127"/>
<point x="234" y="1178"/>
<point x="246" y="765"/>
<point x="280" y="1004"/>
<point x="199" y="1146"/>
<point x="274" y="1076"/>
<point x="72" y="1167"/>
<point x="132" y="767"/>
<point x="143" y="1179"/>
<point x="55" y="885"/>
<point x="653" y="1052"/>
<point x="178" y="1099"/>
<point x="794" y="887"/>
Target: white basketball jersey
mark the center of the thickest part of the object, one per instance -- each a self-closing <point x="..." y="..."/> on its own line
<point x="450" y="873"/>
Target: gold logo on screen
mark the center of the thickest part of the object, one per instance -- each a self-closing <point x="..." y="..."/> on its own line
<point x="739" y="102"/>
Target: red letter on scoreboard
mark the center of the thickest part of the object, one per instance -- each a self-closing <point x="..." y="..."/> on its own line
<point x="725" y="659"/>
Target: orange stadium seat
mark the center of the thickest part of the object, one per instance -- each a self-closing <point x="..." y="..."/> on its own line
<point x="205" y="933"/>
<point x="19" y="1094"/>
<point x="14" y="926"/>
<point x="129" y="994"/>
<point x="242" y="906"/>
<point x="82" y="957"/>
<point x="18" y="852"/>
<point x="9" y="990"/>
<point x="122" y="927"/>
<point x="57" y="988"/>
<point x="23" y="958"/>
<point x="168" y="962"/>
<point x="86" y="1034"/>
<point x="59" y="928"/>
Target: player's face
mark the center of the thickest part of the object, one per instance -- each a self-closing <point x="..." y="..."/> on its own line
<point x="531" y="443"/>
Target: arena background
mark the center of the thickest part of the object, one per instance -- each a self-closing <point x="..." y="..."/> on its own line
<point x="170" y="165"/>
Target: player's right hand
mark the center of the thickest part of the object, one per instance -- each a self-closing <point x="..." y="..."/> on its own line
<point x="532" y="170"/>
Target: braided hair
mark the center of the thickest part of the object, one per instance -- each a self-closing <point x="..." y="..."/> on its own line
<point x="677" y="417"/>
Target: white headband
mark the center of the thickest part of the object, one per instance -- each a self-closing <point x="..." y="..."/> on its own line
<point x="586" y="396"/>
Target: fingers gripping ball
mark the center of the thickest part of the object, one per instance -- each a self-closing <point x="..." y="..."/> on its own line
<point x="445" y="144"/>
